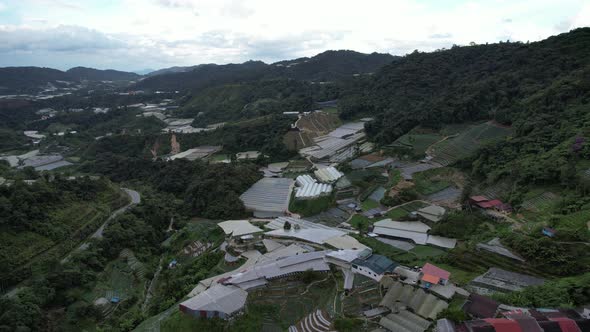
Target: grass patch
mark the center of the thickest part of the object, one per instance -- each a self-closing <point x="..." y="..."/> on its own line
<point x="310" y="207"/>
<point x="427" y="251"/>
<point x="369" y="204"/>
<point x="360" y="222"/>
<point x="396" y="213"/>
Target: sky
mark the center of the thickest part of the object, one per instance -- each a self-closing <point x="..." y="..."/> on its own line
<point x="134" y="35"/>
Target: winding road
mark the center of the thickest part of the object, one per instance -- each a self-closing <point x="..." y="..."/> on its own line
<point x="135" y="199"/>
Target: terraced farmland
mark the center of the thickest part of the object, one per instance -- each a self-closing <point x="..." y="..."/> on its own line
<point x="540" y="203"/>
<point x="417" y="142"/>
<point x="467" y="142"/>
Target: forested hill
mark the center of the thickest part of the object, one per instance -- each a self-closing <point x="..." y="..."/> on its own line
<point x="91" y="74"/>
<point x="29" y="79"/>
<point x="495" y="81"/>
<point x="327" y="66"/>
<point x="542" y="89"/>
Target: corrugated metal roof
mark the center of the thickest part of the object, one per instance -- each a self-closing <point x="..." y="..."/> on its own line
<point x="412" y="226"/>
<point x="418" y="238"/>
<point x="226" y="299"/>
<point x="238" y="227"/>
<point x="441" y="241"/>
<point x="268" y="195"/>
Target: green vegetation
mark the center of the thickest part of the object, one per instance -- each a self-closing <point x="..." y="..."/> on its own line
<point x="565" y="292"/>
<point x="415" y="143"/>
<point x="310" y="207"/>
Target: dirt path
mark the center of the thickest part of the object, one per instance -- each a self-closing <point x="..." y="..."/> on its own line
<point x="150" y="291"/>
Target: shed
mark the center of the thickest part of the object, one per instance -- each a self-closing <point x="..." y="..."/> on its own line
<point x="218" y="301"/>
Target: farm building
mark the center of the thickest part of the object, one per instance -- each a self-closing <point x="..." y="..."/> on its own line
<point x="432" y="213"/>
<point x="200" y="152"/>
<point x="424" y="306"/>
<point x="238" y="228"/>
<point x="328" y="174"/>
<point x="269" y="197"/>
<point x="433" y="275"/>
<point x="308" y="188"/>
<point x="496" y="247"/>
<point x="483" y="202"/>
<point x="259" y="274"/>
<point x="312" y="232"/>
<point x="411" y="230"/>
<point x="248" y="155"/>
<point x="373" y="266"/>
<point x="478" y="306"/>
<point x="498" y="280"/>
<point x="338" y="145"/>
<point x="218" y="301"/>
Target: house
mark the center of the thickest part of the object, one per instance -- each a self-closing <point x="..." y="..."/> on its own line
<point x="218" y="301"/>
<point x="373" y="266"/>
<point x="432" y="213"/>
<point x="433" y="275"/>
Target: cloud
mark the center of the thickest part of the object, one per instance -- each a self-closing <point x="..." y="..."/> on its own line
<point x="441" y="36"/>
<point x="59" y="39"/>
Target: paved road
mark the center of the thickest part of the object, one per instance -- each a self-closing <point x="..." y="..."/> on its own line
<point x="135" y="199"/>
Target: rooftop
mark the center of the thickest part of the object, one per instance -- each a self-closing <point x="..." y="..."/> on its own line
<point x="436" y="271"/>
<point x="226" y="299"/>
<point x="377" y="263"/>
<point x="238" y="227"/>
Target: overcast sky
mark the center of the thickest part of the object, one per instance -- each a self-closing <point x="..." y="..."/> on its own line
<point x="138" y="34"/>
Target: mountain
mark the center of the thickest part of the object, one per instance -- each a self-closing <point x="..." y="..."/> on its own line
<point x="22" y="79"/>
<point x="35" y="79"/>
<point x="333" y="64"/>
<point x="91" y="74"/>
<point x="327" y="66"/>
<point x="170" y="70"/>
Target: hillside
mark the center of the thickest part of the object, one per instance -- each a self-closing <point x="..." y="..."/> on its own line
<point x="91" y="74"/>
<point x="326" y="66"/>
<point x="34" y="79"/>
<point x="541" y="89"/>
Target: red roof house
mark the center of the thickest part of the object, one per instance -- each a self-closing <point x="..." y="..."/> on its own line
<point x="479" y="198"/>
<point x="504" y="325"/>
<point x="434" y="275"/>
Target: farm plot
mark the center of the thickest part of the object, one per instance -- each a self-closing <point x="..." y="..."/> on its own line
<point x="542" y="202"/>
<point x="418" y="143"/>
<point x="467" y="142"/>
<point x="365" y="295"/>
<point x="293" y="299"/>
<point x="447" y="195"/>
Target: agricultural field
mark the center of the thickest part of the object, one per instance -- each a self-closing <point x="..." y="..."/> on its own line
<point x="467" y="142"/>
<point x="417" y="143"/>
<point x="436" y="180"/>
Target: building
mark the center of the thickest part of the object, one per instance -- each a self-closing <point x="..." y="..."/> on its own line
<point x="269" y="197"/>
<point x="218" y="301"/>
<point x="308" y="188"/>
<point x="433" y="275"/>
<point x="328" y="174"/>
<point x="200" y="152"/>
<point x="432" y="213"/>
<point x="248" y="155"/>
<point x="478" y="306"/>
<point x="373" y="266"/>
<point x="238" y="228"/>
<point x="412" y="230"/>
<point x="498" y="280"/>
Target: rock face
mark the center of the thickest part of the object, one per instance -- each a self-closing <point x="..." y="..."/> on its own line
<point x="174" y="145"/>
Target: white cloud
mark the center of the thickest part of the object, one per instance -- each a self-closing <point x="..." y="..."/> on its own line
<point x="157" y="33"/>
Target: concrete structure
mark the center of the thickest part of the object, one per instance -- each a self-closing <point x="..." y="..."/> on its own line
<point x="218" y="301"/>
<point x="373" y="266"/>
<point x="269" y="197"/>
